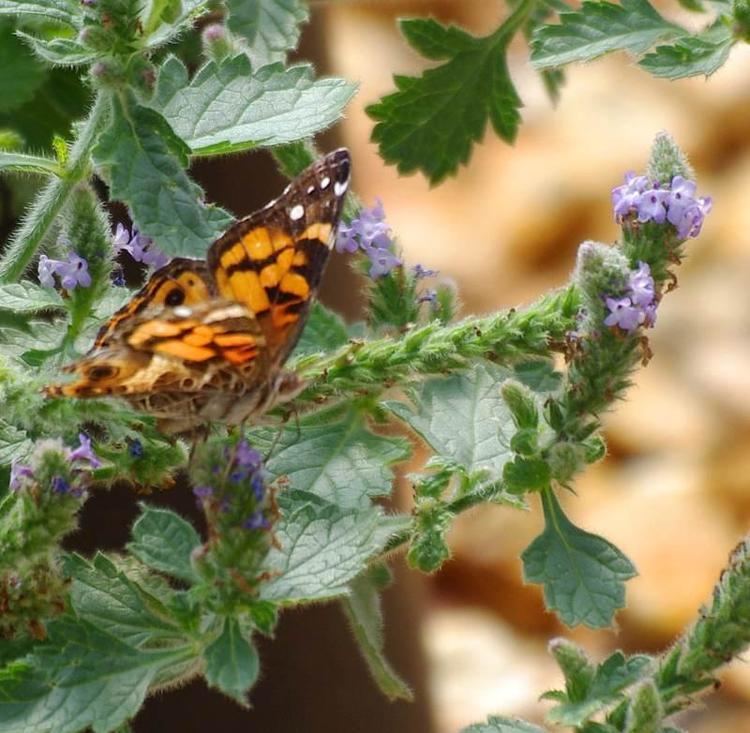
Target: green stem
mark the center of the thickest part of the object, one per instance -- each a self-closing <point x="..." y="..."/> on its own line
<point x="514" y="21"/>
<point x="51" y="199"/>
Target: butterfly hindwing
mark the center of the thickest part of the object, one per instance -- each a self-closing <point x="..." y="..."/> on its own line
<point x="273" y="260"/>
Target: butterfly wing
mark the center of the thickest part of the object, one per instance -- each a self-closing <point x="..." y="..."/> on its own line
<point x="273" y="260"/>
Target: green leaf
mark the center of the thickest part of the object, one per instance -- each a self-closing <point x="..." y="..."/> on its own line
<point x="15" y="445"/>
<point x="165" y="541"/>
<point x="270" y="27"/>
<point x="598" y="28"/>
<point x="20" y="73"/>
<point x="232" y="663"/>
<point x="64" y="11"/>
<point x="324" y="332"/>
<point x="362" y="607"/>
<point x="24" y="163"/>
<point x="115" y="604"/>
<point x="583" y="574"/>
<point x="322" y="548"/>
<point x="59" y="51"/>
<point x="143" y="161"/>
<point x="464" y="417"/>
<point x="539" y="375"/>
<point x="226" y="107"/>
<point x="333" y="455"/>
<point x="503" y="725"/>
<point x="612" y="677"/>
<point x="692" y="55"/>
<point x="81" y="677"/>
<point x="28" y="297"/>
<point x="431" y="122"/>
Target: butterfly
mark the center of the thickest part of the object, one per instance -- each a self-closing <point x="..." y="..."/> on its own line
<point x="207" y="340"/>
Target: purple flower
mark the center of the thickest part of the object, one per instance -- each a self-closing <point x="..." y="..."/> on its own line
<point x="642" y="288"/>
<point x="140" y="248"/>
<point x="84" y="452"/>
<point x="19" y="472"/>
<point x="422" y="272"/>
<point x="247" y="457"/>
<point x="638" y="307"/>
<point x="60" y="485"/>
<point x="258" y="486"/>
<point x="623" y="313"/>
<point x="369" y="233"/>
<point x="203" y="492"/>
<point x="71" y="273"/>
<point x="257" y="520"/>
<point x="428" y="296"/>
<point x="625" y="198"/>
<point x="135" y="448"/>
<point x="691" y="217"/>
<point x="651" y="205"/>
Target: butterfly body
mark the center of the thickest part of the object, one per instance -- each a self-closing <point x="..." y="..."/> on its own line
<point x="207" y="340"/>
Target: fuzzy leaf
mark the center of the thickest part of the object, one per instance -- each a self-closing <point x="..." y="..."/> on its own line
<point x="503" y="725"/>
<point x="322" y="548"/>
<point x="25" y="163"/>
<point x="164" y="541"/>
<point x="20" y="73"/>
<point x="270" y="27"/>
<point x="64" y="11"/>
<point x="583" y="574"/>
<point x="334" y="457"/>
<point x="143" y="161"/>
<point x="232" y="663"/>
<point x="15" y="445"/>
<point x="431" y="122"/>
<point x="226" y="107"/>
<point x="598" y="28"/>
<point x="59" y="51"/>
<point x="190" y="11"/>
<point x="28" y="297"/>
<point x="692" y="55"/>
<point x="362" y="607"/>
<point x="324" y="332"/>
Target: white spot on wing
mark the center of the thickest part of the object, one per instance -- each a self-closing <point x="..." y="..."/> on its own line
<point x="296" y="212"/>
<point x="339" y="188"/>
<point x="325" y="182"/>
<point x="182" y="311"/>
<point x="311" y="190"/>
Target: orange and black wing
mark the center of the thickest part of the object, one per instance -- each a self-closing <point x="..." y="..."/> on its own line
<point x="273" y="260"/>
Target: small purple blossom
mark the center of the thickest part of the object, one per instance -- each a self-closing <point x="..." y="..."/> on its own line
<point x="84" y="452"/>
<point x="247" y="457"/>
<point x="135" y="448"/>
<point x="59" y="485"/>
<point x="623" y="313"/>
<point x="203" y="492"/>
<point x="422" y="272"/>
<point x="73" y="272"/>
<point x="18" y="473"/>
<point x="257" y="520"/>
<point x="371" y="234"/>
<point x="638" y="307"/>
<point x="428" y="296"/>
<point x="650" y="201"/>
<point x="642" y="287"/>
<point x="139" y="247"/>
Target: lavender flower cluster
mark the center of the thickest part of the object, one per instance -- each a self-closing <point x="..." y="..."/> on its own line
<point x="79" y="462"/>
<point x="140" y="248"/>
<point x="649" y="201"/>
<point x="72" y="272"/>
<point x="638" y="307"/>
<point x="369" y="233"/>
<point x="244" y="491"/>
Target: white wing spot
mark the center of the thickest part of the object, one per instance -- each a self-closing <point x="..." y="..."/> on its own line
<point x="325" y="182"/>
<point x="296" y="212"/>
<point x="311" y="190"/>
<point x="339" y="188"/>
<point x="182" y="311"/>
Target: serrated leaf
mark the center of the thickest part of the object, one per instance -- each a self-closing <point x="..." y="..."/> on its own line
<point x="232" y="663"/>
<point x="324" y="332"/>
<point x="431" y="122"/>
<point x="190" y="11"/>
<point x="691" y="56"/>
<point x="103" y="595"/>
<point x="463" y="417"/>
<point x="143" y="161"/>
<point x="15" y="445"/>
<point x="28" y="297"/>
<point x="333" y="455"/>
<point x="270" y="27"/>
<point x="503" y="725"/>
<point x="59" y="51"/>
<point x="362" y="607"/>
<point x="611" y="678"/>
<point x="226" y="107"/>
<point x="583" y="574"/>
<point x="322" y="548"/>
<point x="24" y="163"/>
<point x="165" y="541"/>
<point x="598" y="28"/>
<point x="81" y="677"/>
<point x="63" y="11"/>
<point x="20" y="73"/>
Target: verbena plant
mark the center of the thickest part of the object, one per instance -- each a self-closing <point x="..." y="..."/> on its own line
<point x="85" y="640"/>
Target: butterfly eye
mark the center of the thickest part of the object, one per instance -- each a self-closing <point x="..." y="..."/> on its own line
<point x="97" y="373"/>
<point x="175" y="297"/>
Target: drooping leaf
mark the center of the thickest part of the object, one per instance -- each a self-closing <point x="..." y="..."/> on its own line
<point x="227" y="107"/>
<point x="143" y="161"/>
<point x="333" y="455"/>
<point x="362" y="607"/>
<point x="270" y="27"/>
<point x="28" y="297"/>
<point x="322" y="548"/>
<point x="598" y="28"/>
<point x="431" y="122"/>
<point x="583" y="574"/>
<point x="232" y="663"/>
<point x="164" y="541"/>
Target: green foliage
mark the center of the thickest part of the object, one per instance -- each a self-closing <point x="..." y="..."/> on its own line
<point x="496" y="724"/>
<point x="232" y="662"/>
